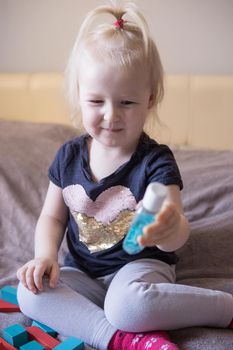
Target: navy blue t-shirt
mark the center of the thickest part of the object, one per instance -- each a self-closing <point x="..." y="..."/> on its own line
<point x="100" y="213"/>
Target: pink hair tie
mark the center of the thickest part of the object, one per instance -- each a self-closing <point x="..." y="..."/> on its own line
<point x="119" y="23"/>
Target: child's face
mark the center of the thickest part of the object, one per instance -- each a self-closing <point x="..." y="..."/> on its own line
<point x="114" y="102"/>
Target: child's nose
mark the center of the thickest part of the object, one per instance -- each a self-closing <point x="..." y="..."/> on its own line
<point x="111" y="113"/>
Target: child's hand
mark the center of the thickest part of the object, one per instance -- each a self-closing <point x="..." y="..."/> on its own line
<point x="167" y="224"/>
<point x="31" y="274"/>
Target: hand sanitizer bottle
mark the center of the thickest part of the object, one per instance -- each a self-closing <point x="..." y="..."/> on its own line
<point x="146" y="214"/>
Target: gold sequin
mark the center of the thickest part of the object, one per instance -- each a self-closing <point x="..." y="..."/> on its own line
<point x="97" y="236"/>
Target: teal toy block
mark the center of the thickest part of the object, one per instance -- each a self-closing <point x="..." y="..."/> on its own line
<point x="45" y="328"/>
<point x="9" y="293"/>
<point x="32" y="345"/>
<point x="15" y="335"/>
<point x="70" y="343"/>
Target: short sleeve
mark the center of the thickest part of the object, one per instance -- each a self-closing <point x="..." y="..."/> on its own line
<point x="162" y="167"/>
<point x="58" y="166"/>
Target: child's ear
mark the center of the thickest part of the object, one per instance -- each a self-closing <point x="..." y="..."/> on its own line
<point x="151" y="101"/>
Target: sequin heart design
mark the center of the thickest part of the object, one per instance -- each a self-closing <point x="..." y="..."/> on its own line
<point x="107" y="206"/>
<point x="103" y="222"/>
<point x="97" y="236"/>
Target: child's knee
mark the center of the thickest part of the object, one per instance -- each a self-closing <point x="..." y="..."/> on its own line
<point x="121" y="306"/>
<point x="129" y="307"/>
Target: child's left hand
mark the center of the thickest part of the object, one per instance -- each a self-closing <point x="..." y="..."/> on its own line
<point x="166" y="225"/>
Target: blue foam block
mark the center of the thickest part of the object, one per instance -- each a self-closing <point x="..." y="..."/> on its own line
<point x="9" y="293"/>
<point x="70" y="343"/>
<point x="32" y="345"/>
<point x="45" y="328"/>
<point x="15" y="335"/>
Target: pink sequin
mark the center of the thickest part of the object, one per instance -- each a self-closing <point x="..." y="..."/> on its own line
<point x="107" y="206"/>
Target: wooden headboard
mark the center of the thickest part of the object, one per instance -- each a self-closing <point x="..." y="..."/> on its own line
<point x="196" y="111"/>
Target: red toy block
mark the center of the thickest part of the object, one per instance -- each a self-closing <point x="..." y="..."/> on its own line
<point x="6" y="346"/>
<point x="42" y="337"/>
<point x="5" y="306"/>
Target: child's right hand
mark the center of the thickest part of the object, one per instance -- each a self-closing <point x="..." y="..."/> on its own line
<point x="31" y="274"/>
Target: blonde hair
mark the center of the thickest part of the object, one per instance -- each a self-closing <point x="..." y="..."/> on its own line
<point x="126" y="45"/>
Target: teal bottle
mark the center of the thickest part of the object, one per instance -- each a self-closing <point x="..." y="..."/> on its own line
<point x="145" y="215"/>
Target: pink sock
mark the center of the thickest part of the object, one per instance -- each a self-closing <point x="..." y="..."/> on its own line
<point x="141" y="341"/>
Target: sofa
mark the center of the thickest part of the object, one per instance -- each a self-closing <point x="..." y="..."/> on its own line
<point x="206" y="260"/>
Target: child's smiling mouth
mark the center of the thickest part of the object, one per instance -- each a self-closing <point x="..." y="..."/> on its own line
<point x="112" y="130"/>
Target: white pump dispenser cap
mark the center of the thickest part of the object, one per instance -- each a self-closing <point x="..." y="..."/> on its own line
<point x="154" y="197"/>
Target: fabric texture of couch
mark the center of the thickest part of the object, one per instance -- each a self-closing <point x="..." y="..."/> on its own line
<point x="27" y="149"/>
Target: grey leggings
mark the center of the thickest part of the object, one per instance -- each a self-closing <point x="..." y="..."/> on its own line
<point x="142" y="296"/>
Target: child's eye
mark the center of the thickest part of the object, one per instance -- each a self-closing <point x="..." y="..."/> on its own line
<point x="127" y="102"/>
<point x="96" y="101"/>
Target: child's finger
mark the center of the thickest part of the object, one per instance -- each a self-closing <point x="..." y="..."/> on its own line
<point x="153" y="240"/>
<point x="168" y="210"/>
<point x="157" y="228"/>
<point x="164" y="219"/>
<point x="141" y="240"/>
<point x="54" y="273"/>
<point x="38" y="276"/>
<point x="21" y="275"/>
<point x="30" y="280"/>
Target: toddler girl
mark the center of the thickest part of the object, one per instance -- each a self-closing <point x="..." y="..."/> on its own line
<point x="104" y="296"/>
